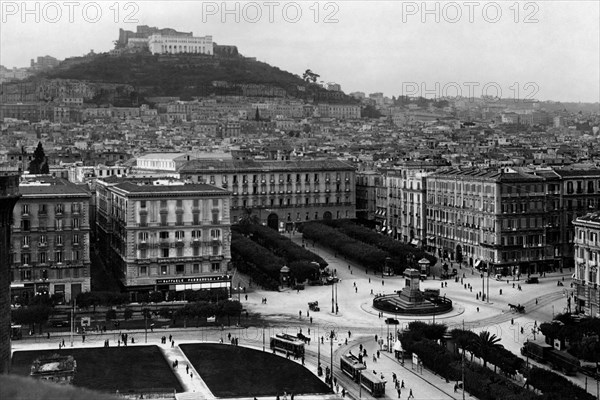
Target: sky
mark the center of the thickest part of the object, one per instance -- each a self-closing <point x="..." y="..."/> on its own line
<point x="545" y="50"/>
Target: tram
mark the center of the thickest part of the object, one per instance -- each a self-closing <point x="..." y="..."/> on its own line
<point x="288" y="344"/>
<point x="373" y="383"/>
<point x="351" y="366"/>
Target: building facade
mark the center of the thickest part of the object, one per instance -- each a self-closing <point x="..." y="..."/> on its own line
<point x="490" y="218"/>
<point x="587" y="259"/>
<point x="50" y="240"/>
<point x="165" y="238"/>
<point x="9" y="195"/>
<point x="281" y="194"/>
<point x="165" y="44"/>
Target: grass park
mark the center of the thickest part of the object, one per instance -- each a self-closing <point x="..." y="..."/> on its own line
<point x="110" y="368"/>
<point x="233" y="371"/>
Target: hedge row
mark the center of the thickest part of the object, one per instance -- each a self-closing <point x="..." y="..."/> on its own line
<point x="256" y="261"/>
<point x="369" y="256"/>
<point x="555" y="386"/>
<point x="397" y="249"/>
<point x="264" y="267"/>
<point x="280" y="245"/>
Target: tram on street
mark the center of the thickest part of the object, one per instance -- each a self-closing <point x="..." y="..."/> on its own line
<point x="351" y="366"/>
<point x="373" y="383"/>
<point x="288" y="344"/>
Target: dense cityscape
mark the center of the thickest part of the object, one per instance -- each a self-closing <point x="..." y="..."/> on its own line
<point x="149" y="202"/>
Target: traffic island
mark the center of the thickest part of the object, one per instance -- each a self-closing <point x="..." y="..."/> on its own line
<point x="411" y="300"/>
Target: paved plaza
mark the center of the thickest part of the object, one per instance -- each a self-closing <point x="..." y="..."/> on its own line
<point x="357" y="323"/>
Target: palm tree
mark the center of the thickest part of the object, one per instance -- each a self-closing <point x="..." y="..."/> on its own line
<point x="249" y="218"/>
<point x="487" y="343"/>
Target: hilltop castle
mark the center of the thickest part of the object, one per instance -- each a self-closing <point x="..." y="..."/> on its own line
<point x="169" y="41"/>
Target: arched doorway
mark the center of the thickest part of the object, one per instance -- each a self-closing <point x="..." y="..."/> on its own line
<point x="273" y="221"/>
<point x="327" y="216"/>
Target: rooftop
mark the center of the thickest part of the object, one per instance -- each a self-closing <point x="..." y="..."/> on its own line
<point x="50" y="186"/>
<point x="196" y="188"/>
<point x="196" y="166"/>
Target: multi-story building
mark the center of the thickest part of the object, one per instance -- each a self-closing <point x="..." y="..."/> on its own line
<point x="50" y="240"/>
<point x="406" y="211"/>
<point x="281" y="193"/>
<point x="570" y="193"/>
<point x="587" y="260"/>
<point x="165" y="44"/>
<point x="489" y="217"/>
<point x="165" y="238"/>
<point x="9" y="195"/>
<point x="366" y="202"/>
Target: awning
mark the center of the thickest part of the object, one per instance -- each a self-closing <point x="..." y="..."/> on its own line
<point x="398" y="346"/>
<point x="431" y="237"/>
<point x="477" y="262"/>
<point x="415" y="242"/>
<point x="389" y="231"/>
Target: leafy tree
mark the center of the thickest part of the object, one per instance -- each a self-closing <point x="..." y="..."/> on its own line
<point x="39" y="164"/>
<point x="231" y="308"/>
<point x="111" y="314"/>
<point x="155" y="297"/>
<point x="32" y="315"/>
<point x="310" y="76"/>
<point x="128" y="313"/>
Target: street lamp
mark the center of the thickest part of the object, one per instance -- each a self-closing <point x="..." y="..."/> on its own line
<point x="331" y="336"/>
<point x="332" y="302"/>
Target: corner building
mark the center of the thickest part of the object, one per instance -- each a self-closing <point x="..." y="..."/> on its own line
<point x="50" y="240"/>
<point x="490" y="218"/>
<point x="282" y="194"/>
<point x="587" y="258"/>
<point x="165" y="238"/>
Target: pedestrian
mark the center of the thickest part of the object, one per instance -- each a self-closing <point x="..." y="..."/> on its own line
<point x="536" y="301"/>
<point x="355" y="290"/>
<point x="375" y="339"/>
<point x="349" y="334"/>
<point x="187" y="369"/>
<point x="369" y="280"/>
<point x="402" y="384"/>
<point x="118" y="343"/>
<point x="172" y="344"/>
<point x="82" y="338"/>
<point x="377" y="353"/>
<point x="311" y="320"/>
<point x="374" y="358"/>
<point x="246" y="297"/>
<point x="48" y="333"/>
<point x="63" y="342"/>
<point x="343" y="392"/>
<point x="300" y="314"/>
<point x="191" y="375"/>
<point x="410" y="394"/>
<point x="382" y="282"/>
<point x="477" y="309"/>
<point x="399" y="392"/>
<point x="170" y="338"/>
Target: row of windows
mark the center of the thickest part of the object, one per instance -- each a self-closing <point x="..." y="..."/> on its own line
<point x="179" y="252"/>
<point x="43" y="257"/>
<point x="58" y="208"/>
<point x="178" y="203"/>
<point x="180" y="269"/>
<point x="285" y="202"/>
<point x="36" y="274"/>
<point x="180" y="235"/>
<point x="58" y="224"/>
<point x="43" y="240"/>
<point x="263" y="178"/>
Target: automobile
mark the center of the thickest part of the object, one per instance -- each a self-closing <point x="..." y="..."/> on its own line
<point x="392" y="321"/>
<point x="533" y="279"/>
<point x="314" y="306"/>
<point x="59" y="323"/>
<point x="499" y="277"/>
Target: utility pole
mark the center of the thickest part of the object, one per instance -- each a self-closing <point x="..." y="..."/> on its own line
<point x="332" y="302"/>
<point x="73" y="319"/>
<point x="331" y="357"/>
<point x="336" y="303"/>
<point x="462" y="363"/>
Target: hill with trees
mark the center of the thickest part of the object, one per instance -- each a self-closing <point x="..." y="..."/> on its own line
<point x="188" y="75"/>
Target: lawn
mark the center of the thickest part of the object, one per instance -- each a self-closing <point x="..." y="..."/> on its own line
<point x="110" y="369"/>
<point x="233" y="371"/>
